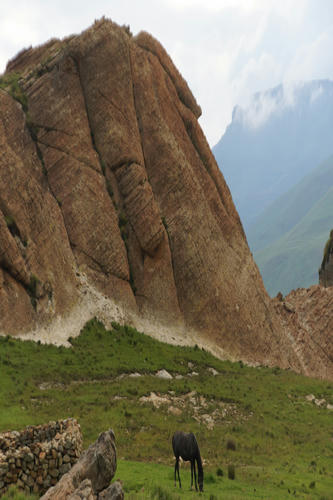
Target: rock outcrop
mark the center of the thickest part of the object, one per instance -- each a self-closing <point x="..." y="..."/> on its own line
<point x="326" y="268"/>
<point x="306" y="315"/>
<point x="92" y="473"/>
<point x="105" y="172"/>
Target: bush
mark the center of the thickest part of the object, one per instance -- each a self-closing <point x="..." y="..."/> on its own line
<point x="231" y="472"/>
<point x="231" y="445"/>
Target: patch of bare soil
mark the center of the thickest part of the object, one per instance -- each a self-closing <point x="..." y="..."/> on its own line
<point x="207" y="412"/>
<point x="92" y="303"/>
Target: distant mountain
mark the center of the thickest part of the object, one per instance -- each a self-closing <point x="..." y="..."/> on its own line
<point x="291" y="234"/>
<point x="273" y="142"/>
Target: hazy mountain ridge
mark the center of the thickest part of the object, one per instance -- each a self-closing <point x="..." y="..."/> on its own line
<point x="272" y="143"/>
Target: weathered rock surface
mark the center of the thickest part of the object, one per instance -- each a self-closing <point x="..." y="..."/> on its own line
<point x="91" y="474"/>
<point x="113" y="492"/>
<point x="307" y="317"/>
<point x="108" y="174"/>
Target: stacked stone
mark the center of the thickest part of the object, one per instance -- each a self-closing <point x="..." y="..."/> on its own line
<point x="37" y="457"/>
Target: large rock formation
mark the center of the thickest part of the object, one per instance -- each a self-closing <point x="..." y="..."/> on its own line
<point x="105" y="174"/>
<point x="91" y="474"/>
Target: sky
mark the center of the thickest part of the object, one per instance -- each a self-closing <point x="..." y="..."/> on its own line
<point x="226" y="49"/>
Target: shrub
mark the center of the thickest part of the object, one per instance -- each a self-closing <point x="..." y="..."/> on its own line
<point x="231" y="472"/>
<point x="231" y="445"/>
<point x="10" y="82"/>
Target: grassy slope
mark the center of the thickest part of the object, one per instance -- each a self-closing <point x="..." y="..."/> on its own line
<point x="282" y="215"/>
<point x="294" y="259"/>
<point x="282" y="441"/>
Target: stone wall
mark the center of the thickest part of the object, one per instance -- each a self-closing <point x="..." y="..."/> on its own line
<point x="34" y="459"/>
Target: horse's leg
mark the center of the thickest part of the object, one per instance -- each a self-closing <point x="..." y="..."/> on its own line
<point x="191" y="474"/>
<point x="175" y="472"/>
<point x="195" y="476"/>
<point x="177" y="467"/>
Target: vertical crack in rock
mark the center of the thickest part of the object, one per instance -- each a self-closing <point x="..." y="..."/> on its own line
<point x="102" y="164"/>
<point x="161" y="230"/>
<point x="31" y="127"/>
<point x="11" y="258"/>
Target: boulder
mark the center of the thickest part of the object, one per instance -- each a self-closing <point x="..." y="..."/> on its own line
<point x="91" y="474"/>
<point x="113" y="492"/>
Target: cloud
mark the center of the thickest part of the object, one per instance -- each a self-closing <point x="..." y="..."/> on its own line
<point x="312" y="60"/>
<point x="226" y="49"/>
<point x="263" y="105"/>
<point x="316" y="93"/>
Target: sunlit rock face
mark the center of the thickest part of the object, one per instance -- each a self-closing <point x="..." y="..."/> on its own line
<point x="105" y="173"/>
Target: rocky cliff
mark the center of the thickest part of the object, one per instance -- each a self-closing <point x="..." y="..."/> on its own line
<point x="109" y="194"/>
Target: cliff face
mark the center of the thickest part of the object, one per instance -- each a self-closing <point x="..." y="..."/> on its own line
<point x="105" y="173"/>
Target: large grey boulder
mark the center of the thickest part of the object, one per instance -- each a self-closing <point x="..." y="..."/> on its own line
<point x="98" y="464"/>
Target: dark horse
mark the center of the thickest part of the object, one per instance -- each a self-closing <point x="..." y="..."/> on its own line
<point x="185" y="445"/>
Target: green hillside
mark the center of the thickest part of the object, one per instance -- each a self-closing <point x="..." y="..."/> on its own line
<point x="283" y="442"/>
<point x="293" y="261"/>
<point x="289" y="209"/>
<point x="295" y="230"/>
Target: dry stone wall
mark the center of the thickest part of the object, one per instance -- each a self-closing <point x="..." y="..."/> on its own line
<point x="36" y="458"/>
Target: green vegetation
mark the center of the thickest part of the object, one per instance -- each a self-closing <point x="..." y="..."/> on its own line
<point x="10" y="82"/>
<point x="278" y="441"/>
<point x="15" y="494"/>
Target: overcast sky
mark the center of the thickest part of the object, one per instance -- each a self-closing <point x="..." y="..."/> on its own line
<point x="226" y="49"/>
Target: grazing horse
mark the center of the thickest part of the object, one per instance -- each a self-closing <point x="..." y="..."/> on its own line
<point x="185" y="445"/>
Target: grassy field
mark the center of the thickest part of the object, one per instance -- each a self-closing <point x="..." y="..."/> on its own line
<point x="284" y="443"/>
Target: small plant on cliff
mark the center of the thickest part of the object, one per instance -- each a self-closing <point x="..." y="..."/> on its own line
<point x="12" y="226"/>
<point x="10" y="82"/>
